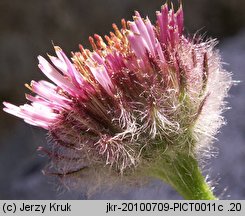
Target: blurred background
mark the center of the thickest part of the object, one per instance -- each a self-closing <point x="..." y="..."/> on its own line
<point x="27" y="29"/>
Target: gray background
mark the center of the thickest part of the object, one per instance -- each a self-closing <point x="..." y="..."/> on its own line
<point x="27" y="28"/>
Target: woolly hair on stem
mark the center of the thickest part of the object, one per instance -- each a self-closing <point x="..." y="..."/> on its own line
<point x="144" y="102"/>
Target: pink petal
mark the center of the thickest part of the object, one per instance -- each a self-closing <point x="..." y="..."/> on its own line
<point x="144" y="32"/>
<point x="150" y="29"/>
<point x="55" y="76"/>
<point x="59" y="64"/>
<point x="180" y="20"/>
<point x="16" y="111"/>
<point x="76" y="77"/>
<point x="137" y="45"/>
<point x="43" y="90"/>
<point x="96" y="57"/>
<point x="101" y="75"/>
<point x="162" y="19"/>
<point x="172" y="30"/>
<point x="44" y="125"/>
<point x="160" y="54"/>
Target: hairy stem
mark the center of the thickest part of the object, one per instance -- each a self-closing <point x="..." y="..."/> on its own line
<point x="183" y="173"/>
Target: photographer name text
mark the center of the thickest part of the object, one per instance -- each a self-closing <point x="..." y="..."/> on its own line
<point x="42" y="208"/>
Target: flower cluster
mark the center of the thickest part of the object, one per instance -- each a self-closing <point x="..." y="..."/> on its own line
<point x="143" y="91"/>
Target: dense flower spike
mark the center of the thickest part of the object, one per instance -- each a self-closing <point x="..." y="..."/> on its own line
<point x="143" y="90"/>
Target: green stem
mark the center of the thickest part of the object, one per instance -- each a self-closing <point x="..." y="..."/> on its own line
<point x="183" y="173"/>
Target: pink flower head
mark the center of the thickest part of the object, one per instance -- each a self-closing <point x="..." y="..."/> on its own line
<point x="130" y="99"/>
